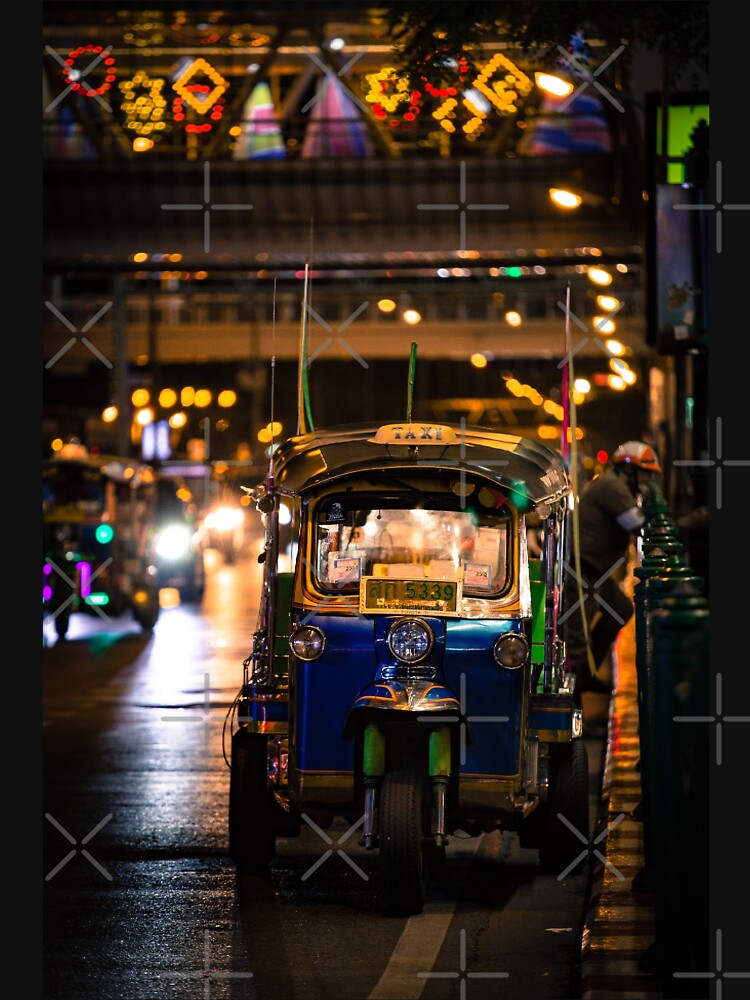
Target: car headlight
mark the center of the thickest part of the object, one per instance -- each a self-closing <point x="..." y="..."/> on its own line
<point x="308" y="642"/>
<point x="173" y="542"/>
<point x="225" y="518"/>
<point x="511" y="650"/>
<point x="410" y="640"/>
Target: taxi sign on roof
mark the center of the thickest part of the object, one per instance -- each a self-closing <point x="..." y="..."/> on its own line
<point x="412" y="434"/>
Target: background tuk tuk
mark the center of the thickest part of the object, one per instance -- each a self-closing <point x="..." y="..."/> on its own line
<point x="99" y="517"/>
<point x="178" y="548"/>
<point x="408" y="674"/>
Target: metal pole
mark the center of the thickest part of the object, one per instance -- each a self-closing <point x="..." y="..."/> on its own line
<point x="119" y="374"/>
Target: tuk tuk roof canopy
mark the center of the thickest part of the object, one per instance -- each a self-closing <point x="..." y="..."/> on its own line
<point x="114" y="467"/>
<point x="519" y="465"/>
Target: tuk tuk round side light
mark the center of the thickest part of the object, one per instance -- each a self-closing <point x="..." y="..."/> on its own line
<point x="511" y="650"/>
<point x="308" y="643"/>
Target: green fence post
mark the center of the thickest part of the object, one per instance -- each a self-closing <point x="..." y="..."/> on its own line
<point x="652" y="566"/>
<point x="681" y="742"/>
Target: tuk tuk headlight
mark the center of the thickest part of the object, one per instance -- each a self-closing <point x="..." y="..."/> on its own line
<point x="511" y="650"/>
<point x="308" y="643"/>
<point x="410" y="640"/>
<point x="173" y="542"/>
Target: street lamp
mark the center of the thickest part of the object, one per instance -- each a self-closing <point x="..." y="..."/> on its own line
<point x="564" y="198"/>
<point x="553" y="84"/>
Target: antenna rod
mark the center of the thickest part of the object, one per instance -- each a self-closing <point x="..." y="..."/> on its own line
<point x="302" y="360"/>
<point x="304" y="415"/>
<point x="269" y="477"/>
<point x="565" y="384"/>
<point x="306" y="384"/>
<point x="410" y="391"/>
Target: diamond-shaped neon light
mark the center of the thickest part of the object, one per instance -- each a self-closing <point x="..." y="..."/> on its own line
<point x="204" y="103"/>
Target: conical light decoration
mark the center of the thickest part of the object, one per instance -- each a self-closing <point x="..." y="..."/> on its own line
<point x="261" y="136"/>
<point x="581" y="127"/>
<point x="567" y="124"/>
<point x="335" y="128"/>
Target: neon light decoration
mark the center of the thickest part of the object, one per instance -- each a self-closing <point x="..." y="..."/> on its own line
<point x="390" y="92"/>
<point x="84" y="570"/>
<point x="502" y="93"/>
<point x="144" y="105"/>
<point x="180" y="112"/>
<point x="73" y="75"/>
<point x="188" y="92"/>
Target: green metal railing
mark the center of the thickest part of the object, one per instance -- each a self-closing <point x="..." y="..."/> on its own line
<point x="672" y="670"/>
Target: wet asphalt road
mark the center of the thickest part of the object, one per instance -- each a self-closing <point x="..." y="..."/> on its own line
<point x="141" y="900"/>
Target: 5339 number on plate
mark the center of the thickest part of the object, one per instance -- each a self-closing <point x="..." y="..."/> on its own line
<point x="440" y="597"/>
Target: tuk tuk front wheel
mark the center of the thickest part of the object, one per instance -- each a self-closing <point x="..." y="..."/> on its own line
<point x="559" y="845"/>
<point x="252" y="844"/>
<point x="402" y="830"/>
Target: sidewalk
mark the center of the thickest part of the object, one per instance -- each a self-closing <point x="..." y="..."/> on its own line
<point x="619" y="925"/>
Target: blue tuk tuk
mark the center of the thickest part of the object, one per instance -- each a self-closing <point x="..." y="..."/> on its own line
<point x="409" y="673"/>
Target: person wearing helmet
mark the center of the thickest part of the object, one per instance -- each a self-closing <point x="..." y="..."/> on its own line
<point x="609" y="518"/>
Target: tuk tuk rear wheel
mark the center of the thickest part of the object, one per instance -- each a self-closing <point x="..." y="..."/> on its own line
<point x="402" y="829"/>
<point x="252" y="844"/>
<point x="147" y="614"/>
<point x="62" y="622"/>
<point x="60" y="607"/>
<point x="568" y="796"/>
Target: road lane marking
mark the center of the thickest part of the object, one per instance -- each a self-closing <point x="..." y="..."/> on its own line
<point x="417" y="949"/>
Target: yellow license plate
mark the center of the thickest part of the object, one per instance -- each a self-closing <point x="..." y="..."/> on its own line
<point x="437" y="597"/>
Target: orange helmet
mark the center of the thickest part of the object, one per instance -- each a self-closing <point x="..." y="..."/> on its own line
<point x="637" y="453"/>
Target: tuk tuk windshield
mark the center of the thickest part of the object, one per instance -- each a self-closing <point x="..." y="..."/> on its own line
<point x="73" y="485"/>
<point x="414" y="543"/>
